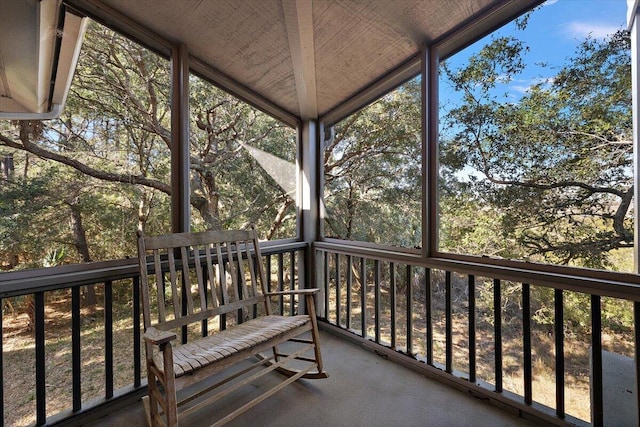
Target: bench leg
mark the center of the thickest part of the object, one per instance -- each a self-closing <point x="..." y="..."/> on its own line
<point x="161" y="403"/>
<point x="150" y="402"/>
<point x="311" y="308"/>
<point x="147" y="410"/>
<point x="171" y="408"/>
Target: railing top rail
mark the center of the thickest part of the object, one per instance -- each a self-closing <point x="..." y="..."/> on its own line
<point x="48" y="279"/>
<point x="595" y="282"/>
<point x="24" y="282"/>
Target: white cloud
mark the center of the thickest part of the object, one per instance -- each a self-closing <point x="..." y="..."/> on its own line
<point x="550" y="2"/>
<point x="581" y="30"/>
<point x="520" y="88"/>
<point x="523" y="86"/>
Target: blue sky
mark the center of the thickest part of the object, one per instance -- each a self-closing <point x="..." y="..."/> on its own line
<point x="553" y="33"/>
<point x="559" y="26"/>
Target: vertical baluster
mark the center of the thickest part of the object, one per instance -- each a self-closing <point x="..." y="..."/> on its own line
<point x="76" y="362"/>
<point x="376" y="299"/>
<point x="392" y="295"/>
<point x="255" y="282"/>
<point x="559" y="332"/>
<point x="224" y="295"/>
<point x="184" y="331"/>
<point x="338" y="286"/>
<point x="428" y="315"/>
<point x="204" y="324"/>
<point x="497" y="313"/>
<point x="472" y="328"/>
<point x="292" y="281"/>
<point x="363" y="297"/>
<point x="636" y="333"/>
<point x="280" y="282"/>
<point x="268" y="271"/>
<point x="526" y="342"/>
<point x="268" y="274"/>
<point x="409" y="310"/>
<point x="325" y="269"/>
<point x="239" y="287"/>
<point x="448" y="323"/>
<point x="349" y="285"/>
<point x="41" y="404"/>
<point x="596" y="357"/>
<point x="137" y="368"/>
<point x="1" y="364"/>
<point x="108" y="338"/>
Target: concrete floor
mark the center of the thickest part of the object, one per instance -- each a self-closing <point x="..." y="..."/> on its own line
<point x="363" y="389"/>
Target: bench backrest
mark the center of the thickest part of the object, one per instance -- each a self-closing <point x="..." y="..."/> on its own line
<point x="203" y="275"/>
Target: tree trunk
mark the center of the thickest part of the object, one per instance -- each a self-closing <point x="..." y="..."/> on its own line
<point x="80" y="242"/>
<point x="280" y="217"/>
<point x="209" y="203"/>
<point x="6" y="167"/>
<point x="144" y="209"/>
<point x="25" y="170"/>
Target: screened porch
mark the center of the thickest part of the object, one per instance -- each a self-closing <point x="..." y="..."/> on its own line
<point x="421" y="324"/>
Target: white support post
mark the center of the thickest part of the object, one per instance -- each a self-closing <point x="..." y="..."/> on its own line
<point x="308" y="196"/>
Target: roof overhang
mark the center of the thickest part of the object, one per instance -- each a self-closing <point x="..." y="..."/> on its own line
<point x="39" y="47"/>
<point x="294" y="59"/>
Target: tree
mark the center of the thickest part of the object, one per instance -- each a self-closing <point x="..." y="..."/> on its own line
<point x="101" y="171"/>
<point x="372" y="172"/>
<point x="229" y="188"/>
<point x="555" y="165"/>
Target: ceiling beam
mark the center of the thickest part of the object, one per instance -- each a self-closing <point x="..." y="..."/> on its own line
<point x="298" y="16"/>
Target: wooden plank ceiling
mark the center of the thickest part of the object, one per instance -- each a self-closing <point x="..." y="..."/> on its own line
<point x="309" y="56"/>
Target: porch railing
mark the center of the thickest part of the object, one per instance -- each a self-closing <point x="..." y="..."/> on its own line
<point x="438" y="315"/>
<point x="35" y="289"/>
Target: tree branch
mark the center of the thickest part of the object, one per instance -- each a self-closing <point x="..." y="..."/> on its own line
<point x="85" y="169"/>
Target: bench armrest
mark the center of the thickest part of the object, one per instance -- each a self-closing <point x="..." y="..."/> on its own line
<point x="157" y="337"/>
<point x="293" y="292"/>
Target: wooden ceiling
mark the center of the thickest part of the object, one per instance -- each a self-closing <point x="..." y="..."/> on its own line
<point x="307" y="57"/>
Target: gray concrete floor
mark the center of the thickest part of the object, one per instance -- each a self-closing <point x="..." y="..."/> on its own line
<point x="363" y="389"/>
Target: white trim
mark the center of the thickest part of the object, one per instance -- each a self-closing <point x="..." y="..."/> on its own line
<point x="632" y="8"/>
<point x="46" y="105"/>
<point x="298" y="18"/>
<point x="74" y="28"/>
<point x="53" y="113"/>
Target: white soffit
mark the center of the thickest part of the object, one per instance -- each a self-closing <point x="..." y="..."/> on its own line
<point x="30" y="45"/>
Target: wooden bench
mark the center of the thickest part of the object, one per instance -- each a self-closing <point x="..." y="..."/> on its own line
<point x="216" y="282"/>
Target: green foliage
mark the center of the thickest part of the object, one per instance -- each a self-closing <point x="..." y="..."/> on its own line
<point x="54" y="257"/>
<point x="230" y="189"/>
<point x="22" y="242"/>
<point x="552" y="170"/>
<point x="90" y="179"/>
<point x="372" y="172"/>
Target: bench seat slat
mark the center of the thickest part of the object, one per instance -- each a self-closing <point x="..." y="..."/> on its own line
<point x="208" y="350"/>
